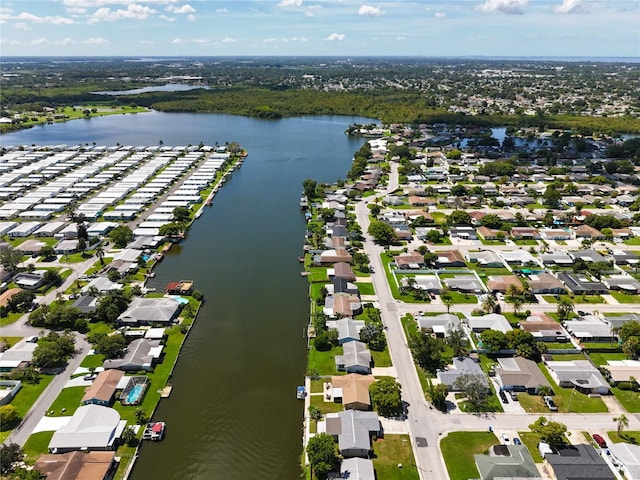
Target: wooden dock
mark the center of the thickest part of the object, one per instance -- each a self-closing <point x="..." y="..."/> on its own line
<point x="166" y="391"/>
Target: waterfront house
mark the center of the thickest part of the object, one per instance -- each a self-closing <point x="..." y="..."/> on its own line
<point x="352" y="390"/>
<point x="461" y="366"/>
<point x="340" y="285"/>
<point x="341" y="270"/>
<point x="353" y="429"/>
<point x="141" y="354"/>
<point x="342" y="304"/>
<point x="519" y="374"/>
<point x="332" y="256"/>
<point x="348" y="329"/>
<point x="149" y="311"/>
<point x="578" y="374"/>
<point x="357" y="469"/>
<point x="92" y="427"/>
<point x="103" y="389"/>
<point x="356" y="358"/>
<point x="77" y="465"/>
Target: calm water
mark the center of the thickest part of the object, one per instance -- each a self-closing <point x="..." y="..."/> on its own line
<point x="233" y="413"/>
<point x="169" y="87"/>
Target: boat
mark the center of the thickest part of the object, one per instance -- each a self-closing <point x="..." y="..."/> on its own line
<point x="301" y="393"/>
<point x="159" y="256"/>
<point x="154" y="431"/>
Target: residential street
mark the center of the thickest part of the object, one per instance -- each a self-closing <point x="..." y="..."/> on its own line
<point x="425" y="424"/>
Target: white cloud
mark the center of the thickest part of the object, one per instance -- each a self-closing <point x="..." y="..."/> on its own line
<point x="222" y="10"/>
<point x="100" y="3"/>
<point x="400" y="38"/>
<point x="167" y="19"/>
<point x="147" y="42"/>
<point x="270" y="40"/>
<point x="96" y="41"/>
<point x="134" y="11"/>
<point x="38" y="41"/>
<point x="440" y="15"/>
<point x="191" y="18"/>
<point x="22" y="26"/>
<point x="570" y="6"/>
<point x="176" y="41"/>
<point x="513" y="7"/>
<point x="369" y="11"/>
<point x="229" y="40"/>
<point x="66" y="41"/>
<point x="290" y="3"/>
<point x="186" y="8"/>
<point x="76" y="10"/>
<point x="336" y="37"/>
<point x="311" y="10"/>
<point x="57" y="20"/>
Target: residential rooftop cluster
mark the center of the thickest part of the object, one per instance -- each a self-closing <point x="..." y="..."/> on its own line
<point x="518" y="275"/>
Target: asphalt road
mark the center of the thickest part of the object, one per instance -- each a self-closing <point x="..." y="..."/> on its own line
<point x="426" y="425"/>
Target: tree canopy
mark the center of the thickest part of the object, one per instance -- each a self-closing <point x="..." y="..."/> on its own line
<point x="386" y="397"/>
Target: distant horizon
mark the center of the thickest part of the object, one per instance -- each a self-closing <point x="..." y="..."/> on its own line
<point x="142" y="58"/>
<point x="355" y="28"/>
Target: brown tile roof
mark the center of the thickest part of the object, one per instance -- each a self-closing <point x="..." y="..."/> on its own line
<point x="104" y="386"/>
<point x="355" y="388"/>
<point x="75" y="465"/>
<point x="501" y="282"/>
<point x="344" y="270"/>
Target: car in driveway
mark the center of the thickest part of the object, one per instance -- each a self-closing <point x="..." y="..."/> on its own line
<point x="505" y="438"/>
<point x="599" y="440"/>
<point x="503" y="396"/>
<point x="551" y="405"/>
<point x="517" y="441"/>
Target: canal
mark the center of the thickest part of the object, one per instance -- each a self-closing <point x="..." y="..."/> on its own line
<point x="233" y="413"/>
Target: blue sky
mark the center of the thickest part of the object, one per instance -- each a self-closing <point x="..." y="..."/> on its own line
<point x="591" y="28"/>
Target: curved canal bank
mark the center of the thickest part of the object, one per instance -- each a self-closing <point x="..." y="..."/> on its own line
<point x="233" y="413"/>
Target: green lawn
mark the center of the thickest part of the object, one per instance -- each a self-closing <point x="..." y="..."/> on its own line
<point x="625" y="436"/>
<point x="580" y="403"/>
<point x="601" y="358"/>
<point x="381" y="359"/>
<point x="365" y="288"/>
<point x="458" y="297"/>
<point x="386" y="259"/>
<point x="36" y="445"/>
<point x="29" y="393"/>
<point x="10" y="318"/>
<point x="629" y="399"/>
<point x="325" y="407"/>
<point x="531" y="440"/>
<point x="69" y="400"/>
<point x="632" y="241"/>
<point x="624" y="297"/>
<point x="491" y="242"/>
<point x="391" y="451"/>
<point x="317" y="274"/>
<point x="323" y="362"/>
<point x="95" y="361"/>
<point x="576" y="299"/>
<point x="317" y="385"/>
<point x="458" y="449"/>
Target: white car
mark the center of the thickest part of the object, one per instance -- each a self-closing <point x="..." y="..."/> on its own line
<point x="505" y="438"/>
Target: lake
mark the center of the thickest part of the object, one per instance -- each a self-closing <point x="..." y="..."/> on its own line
<point x="233" y="413"/>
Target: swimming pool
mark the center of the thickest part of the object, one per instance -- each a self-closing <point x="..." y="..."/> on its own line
<point x="135" y="394"/>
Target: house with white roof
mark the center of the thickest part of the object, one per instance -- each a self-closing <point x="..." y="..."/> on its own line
<point x="92" y="427"/>
<point x="578" y="374"/>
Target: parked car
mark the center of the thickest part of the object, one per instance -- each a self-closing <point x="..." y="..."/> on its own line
<point x="551" y="405"/>
<point x="505" y="438"/>
<point x="503" y="396"/>
<point x="516" y="441"/>
<point x="599" y="440"/>
<point x="514" y="396"/>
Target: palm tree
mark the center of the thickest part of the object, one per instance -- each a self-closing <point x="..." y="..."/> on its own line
<point x="489" y="303"/>
<point x="100" y="253"/>
<point x="623" y="422"/>
<point x="564" y="309"/>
